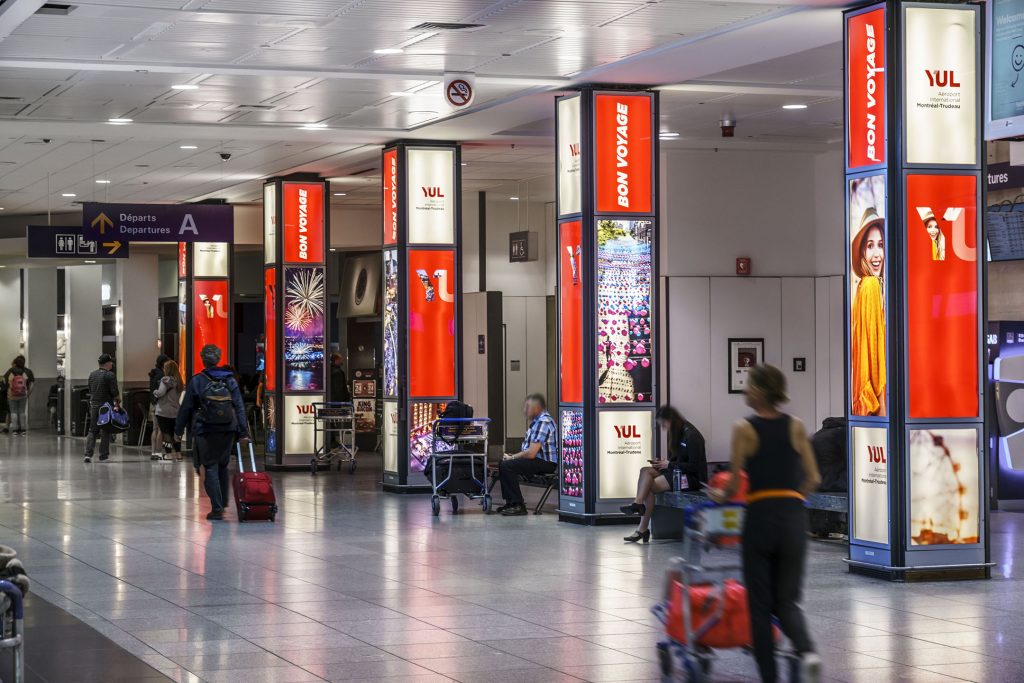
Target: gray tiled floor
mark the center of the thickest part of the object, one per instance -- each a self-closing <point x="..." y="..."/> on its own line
<point x="352" y="584"/>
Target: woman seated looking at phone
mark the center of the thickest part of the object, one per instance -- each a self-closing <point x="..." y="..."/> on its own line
<point x="685" y="456"/>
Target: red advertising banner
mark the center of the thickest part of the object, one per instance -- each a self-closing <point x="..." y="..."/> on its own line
<point x="210" y="305"/>
<point x="304" y="223"/>
<point x="623" y="153"/>
<point x="270" y="316"/>
<point x="390" y="215"/>
<point x="182" y="259"/>
<point x="570" y="319"/>
<point x="865" y="70"/>
<point x="942" y="295"/>
<point x="432" y="323"/>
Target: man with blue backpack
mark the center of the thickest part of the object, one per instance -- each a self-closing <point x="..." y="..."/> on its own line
<point x="214" y="412"/>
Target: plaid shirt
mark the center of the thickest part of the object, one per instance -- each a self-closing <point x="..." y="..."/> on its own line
<point x="542" y="430"/>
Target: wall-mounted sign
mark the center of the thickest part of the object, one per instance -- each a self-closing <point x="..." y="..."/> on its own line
<point x="522" y="246"/>
<point x="570" y="318"/>
<point x="625" y="444"/>
<point x="570" y="156"/>
<point x="303" y="218"/>
<point x="390" y="202"/>
<point x="942" y="295"/>
<point x="623" y="153"/>
<point x="432" y="342"/>
<point x="269" y="223"/>
<point x="459" y="90"/>
<point x="299" y="428"/>
<point x="865" y="69"/>
<point x="941" y="56"/>
<point x="48" y="241"/>
<point x="210" y="305"/>
<point x="430" y="196"/>
<point x="870" y="458"/>
<point x="210" y="259"/>
<point x="158" y="222"/>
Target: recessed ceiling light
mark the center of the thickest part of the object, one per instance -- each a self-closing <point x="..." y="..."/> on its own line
<point x="1" y="208"/>
<point x="333" y="249"/>
<point x="667" y="135"/>
<point x="189" y="147"/>
<point x="515" y="199"/>
<point x="90" y="262"/>
<point x="794" y="106"/>
<point x="103" y="182"/>
<point x="388" y="51"/>
<point x="313" y="126"/>
<point x="401" y="93"/>
<point x="119" y="121"/>
<point x="185" y="86"/>
<point x="465" y="163"/>
<point x="340" y="194"/>
<point x="67" y="194"/>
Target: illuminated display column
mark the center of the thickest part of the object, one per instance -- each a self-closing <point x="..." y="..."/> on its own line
<point x="422" y="219"/>
<point x="204" y="303"/>
<point x="913" y="188"/>
<point x="607" y="270"/>
<point x="295" y="235"/>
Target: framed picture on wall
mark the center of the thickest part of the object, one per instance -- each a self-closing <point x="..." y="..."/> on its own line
<point x="743" y="355"/>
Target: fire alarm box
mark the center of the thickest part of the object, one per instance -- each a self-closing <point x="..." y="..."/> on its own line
<point x="743" y="265"/>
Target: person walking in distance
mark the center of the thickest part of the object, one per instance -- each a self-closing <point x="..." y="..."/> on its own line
<point x="18" y="380"/>
<point x="774" y="450"/>
<point x="156" y="373"/>
<point x="168" y="399"/>
<point x="102" y="389"/>
<point x="214" y="410"/>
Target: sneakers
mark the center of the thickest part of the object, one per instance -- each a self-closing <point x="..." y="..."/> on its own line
<point x="810" y="667"/>
<point x="514" y="510"/>
<point x="215" y="515"/>
<point x="88" y="458"/>
<point x="104" y="458"/>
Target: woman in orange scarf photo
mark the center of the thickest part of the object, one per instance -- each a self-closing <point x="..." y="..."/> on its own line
<point x="867" y="316"/>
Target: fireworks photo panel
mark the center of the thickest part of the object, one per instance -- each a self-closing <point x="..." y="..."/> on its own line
<point x="624" y="311"/>
<point x="304" y="315"/>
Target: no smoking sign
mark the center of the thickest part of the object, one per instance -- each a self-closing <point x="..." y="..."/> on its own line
<point x="458" y="92"/>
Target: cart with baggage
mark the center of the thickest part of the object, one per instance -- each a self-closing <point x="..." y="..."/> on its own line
<point x="704" y="606"/>
<point x="332" y="420"/>
<point x="458" y="462"/>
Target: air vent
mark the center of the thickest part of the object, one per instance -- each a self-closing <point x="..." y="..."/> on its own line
<point x="59" y="9"/>
<point x="443" y="26"/>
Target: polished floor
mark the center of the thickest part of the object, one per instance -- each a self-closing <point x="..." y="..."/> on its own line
<point x="352" y="584"/>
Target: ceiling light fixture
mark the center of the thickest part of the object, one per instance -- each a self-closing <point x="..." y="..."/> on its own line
<point x="103" y="182"/>
<point x="185" y="86"/>
<point x="515" y="199"/>
<point x="667" y="135"/>
<point x="388" y="51"/>
<point x="67" y="194"/>
<point x="401" y="93"/>
<point x="90" y="262"/>
<point x="313" y="126"/>
<point x="189" y="147"/>
<point x="119" y="121"/>
<point x="794" y="106"/>
<point x="340" y="194"/>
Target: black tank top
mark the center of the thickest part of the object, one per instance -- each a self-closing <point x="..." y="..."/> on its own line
<point x="776" y="464"/>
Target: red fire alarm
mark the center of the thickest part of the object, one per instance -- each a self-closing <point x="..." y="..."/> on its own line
<point x="743" y="265"/>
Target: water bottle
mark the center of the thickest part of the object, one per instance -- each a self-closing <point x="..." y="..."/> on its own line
<point x="677" y="480"/>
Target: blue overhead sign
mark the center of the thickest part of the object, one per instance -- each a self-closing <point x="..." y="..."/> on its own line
<point x="158" y="222"/>
<point x="67" y="241"/>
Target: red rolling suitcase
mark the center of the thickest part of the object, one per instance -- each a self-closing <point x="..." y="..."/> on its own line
<point x="254" y="491"/>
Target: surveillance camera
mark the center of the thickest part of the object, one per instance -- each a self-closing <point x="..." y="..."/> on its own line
<point x="224" y="156"/>
<point x="46" y="141"/>
<point x="728" y="126"/>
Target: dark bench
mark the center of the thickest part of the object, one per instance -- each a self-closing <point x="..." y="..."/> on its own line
<point x="828" y="513"/>
<point x="548" y="482"/>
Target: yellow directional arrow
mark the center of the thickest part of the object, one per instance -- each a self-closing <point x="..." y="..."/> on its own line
<point x="112" y="246"/>
<point x="104" y="223"/>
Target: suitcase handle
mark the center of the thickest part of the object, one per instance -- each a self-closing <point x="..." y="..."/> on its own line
<point x="252" y="457"/>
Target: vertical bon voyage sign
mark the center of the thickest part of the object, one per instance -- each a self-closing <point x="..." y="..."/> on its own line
<point x="865" y="74"/>
<point x="303" y="223"/>
<point x="623" y="153"/>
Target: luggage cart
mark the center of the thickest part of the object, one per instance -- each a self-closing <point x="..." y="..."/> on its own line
<point x="12" y="616"/>
<point x="687" y="653"/>
<point x="459" y="440"/>
<point x="330" y="419"/>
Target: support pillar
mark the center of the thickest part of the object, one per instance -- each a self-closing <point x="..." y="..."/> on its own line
<point x="422" y="211"/>
<point x="296" y="225"/>
<point x="10" y="310"/>
<point x="204" y="303"/>
<point x="914" y="270"/>
<point x="607" y="269"/>
<point x="137" y="319"/>
<point x="40" y="331"/>
<point x="83" y="327"/>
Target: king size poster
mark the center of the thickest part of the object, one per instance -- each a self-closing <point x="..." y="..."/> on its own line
<point x="570" y="300"/>
<point x="390" y="200"/>
<point x="623" y="153"/>
<point x="431" y="277"/>
<point x="210" y="304"/>
<point x="942" y="295"/>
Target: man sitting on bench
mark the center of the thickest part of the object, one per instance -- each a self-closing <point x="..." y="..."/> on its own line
<point x="538" y="456"/>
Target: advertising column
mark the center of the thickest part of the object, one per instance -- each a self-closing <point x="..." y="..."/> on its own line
<point x="422" y="303"/>
<point x="295" y="243"/>
<point x="204" y="303"/>
<point x="607" y="270"/>
<point x="913" y="187"/>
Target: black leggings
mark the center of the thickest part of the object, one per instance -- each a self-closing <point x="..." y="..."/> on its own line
<point x="167" y="433"/>
<point x="774" y="550"/>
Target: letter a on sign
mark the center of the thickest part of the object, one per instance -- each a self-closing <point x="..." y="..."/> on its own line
<point x="188" y="224"/>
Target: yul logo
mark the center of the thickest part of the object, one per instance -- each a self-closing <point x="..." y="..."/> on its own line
<point x="942" y="78"/>
<point x="432" y="192"/>
<point x="627" y="432"/>
<point x="876" y="454"/>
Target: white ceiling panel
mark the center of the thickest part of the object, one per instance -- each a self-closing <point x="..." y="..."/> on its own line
<point x="210" y="32"/>
<point x="111" y="30"/>
<point x="689" y="17"/>
<point x="140" y="4"/>
<point x="182" y="52"/>
<point x="300" y="7"/>
<point x="541" y="14"/>
<point x="323" y="59"/>
<point x="34" y="47"/>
